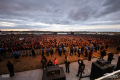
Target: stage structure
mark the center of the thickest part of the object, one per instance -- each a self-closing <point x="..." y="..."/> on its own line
<point x="99" y="68"/>
<point x="54" y="73"/>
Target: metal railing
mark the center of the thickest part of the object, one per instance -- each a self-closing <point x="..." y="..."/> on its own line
<point x="110" y="76"/>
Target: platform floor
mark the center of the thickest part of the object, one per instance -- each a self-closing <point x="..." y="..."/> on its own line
<point x="37" y="74"/>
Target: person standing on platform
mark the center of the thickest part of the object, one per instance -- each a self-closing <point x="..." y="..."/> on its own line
<point x="67" y="63"/>
<point x="55" y="62"/>
<point x="110" y="57"/>
<point x="49" y="63"/>
<point x="44" y="62"/>
<point x="10" y="68"/>
<point x="103" y="53"/>
<point x="81" y="68"/>
<point x="90" y="55"/>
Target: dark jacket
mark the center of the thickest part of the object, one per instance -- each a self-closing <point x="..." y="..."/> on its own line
<point x="67" y="64"/>
<point x="10" y="66"/>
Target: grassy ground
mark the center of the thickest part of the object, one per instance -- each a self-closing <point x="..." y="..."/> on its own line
<point x="30" y="63"/>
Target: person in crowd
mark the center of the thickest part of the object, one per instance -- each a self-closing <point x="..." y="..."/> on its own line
<point x="33" y="53"/>
<point x="43" y="51"/>
<point x="44" y="62"/>
<point x="55" y="62"/>
<point x="51" y="51"/>
<point x="86" y="53"/>
<point x="88" y="47"/>
<point x="1" y="53"/>
<point x="75" y="50"/>
<point x="110" y="57"/>
<point x="98" y="47"/>
<point x="60" y="51"/>
<point x="66" y="55"/>
<point x="102" y="47"/>
<point x="82" y="49"/>
<point x="90" y="55"/>
<point x="106" y="46"/>
<point x="49" y="63"/>
<point x="64" y="50"/>
<point x="118" y="50"/>
<point x="10" y="68"/>
<point x="71" y="51"/>
<point x="47" y="51"/>
<point x="79" y="52"/>
<point x="16" y="55"/>
<point x="67" y="63"/>
<point x="92" y="48"/>
<point x="81" y="68"/>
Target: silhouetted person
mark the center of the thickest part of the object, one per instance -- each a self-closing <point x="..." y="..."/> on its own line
<point x="103" y="53"/>
<point x="49" y="63"/>
<point x="81" y="68"/>
<point x="10" y="68"/>
<point x="118" y="50"/>
<point x="33" y="53"/>
<point x="90" y="55"/>
<point x="1" y="53"/>
<point x="67" y="63"/>
<point x="44" y="62"/>
<point x="110" y="57"/>
<point x="106" y="46"/>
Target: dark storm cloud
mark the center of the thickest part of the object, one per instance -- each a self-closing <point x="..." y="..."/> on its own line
<point x="61" y="12"/>
<point x="109" y="7"/>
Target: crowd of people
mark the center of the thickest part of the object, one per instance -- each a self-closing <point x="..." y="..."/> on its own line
<point x="29" y="41"/>
<point x="76" y="43"/>
<point x="63" y="44"/>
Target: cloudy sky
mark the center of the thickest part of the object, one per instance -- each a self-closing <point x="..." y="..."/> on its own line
<point x="60" y="15"/>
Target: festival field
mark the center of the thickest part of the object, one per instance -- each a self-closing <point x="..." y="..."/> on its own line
<point x="30" y="63"/>
<point x="27" y="62"/>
